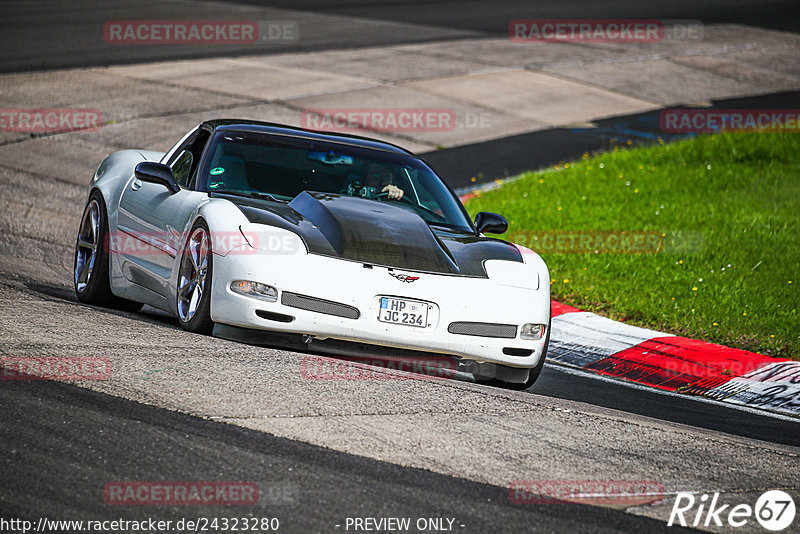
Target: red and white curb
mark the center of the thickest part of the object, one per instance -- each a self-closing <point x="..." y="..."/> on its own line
<point x="587" y="341"/>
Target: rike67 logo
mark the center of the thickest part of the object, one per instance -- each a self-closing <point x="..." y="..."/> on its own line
<point x="774" y="510"/>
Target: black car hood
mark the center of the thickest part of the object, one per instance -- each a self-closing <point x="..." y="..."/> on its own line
<point x="377" y="233"/>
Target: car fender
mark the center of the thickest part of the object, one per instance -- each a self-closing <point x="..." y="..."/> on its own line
<point x="535" y="295"/>
<point x="113" y="174"/>
<point x="223" y="219"/>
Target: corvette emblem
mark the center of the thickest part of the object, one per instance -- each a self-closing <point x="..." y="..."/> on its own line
<point x="405" y="277"/>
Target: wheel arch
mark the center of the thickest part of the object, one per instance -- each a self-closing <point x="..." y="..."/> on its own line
<point x="222" y="218"/>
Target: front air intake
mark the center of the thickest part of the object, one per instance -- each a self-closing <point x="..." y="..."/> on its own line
<point x="314" y="304"/>
<point x="483" y="329"/>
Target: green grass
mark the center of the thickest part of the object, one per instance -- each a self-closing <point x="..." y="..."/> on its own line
<point x="739" y="192"/>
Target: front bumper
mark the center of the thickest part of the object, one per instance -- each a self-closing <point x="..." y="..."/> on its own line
<point x="454" y="299"/>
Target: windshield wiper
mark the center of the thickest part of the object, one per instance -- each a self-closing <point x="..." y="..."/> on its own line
<point x="250" y="194"/>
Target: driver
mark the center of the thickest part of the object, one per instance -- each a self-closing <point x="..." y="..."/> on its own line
<point x="379" y="177"/>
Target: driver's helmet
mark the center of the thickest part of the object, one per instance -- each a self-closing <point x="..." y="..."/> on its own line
<point x="377" y="175"/>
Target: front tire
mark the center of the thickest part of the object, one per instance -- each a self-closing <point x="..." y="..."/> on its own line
<point x="535" y="371"/>
<point x="91" y="273"/>
<point x="194" y="281"/>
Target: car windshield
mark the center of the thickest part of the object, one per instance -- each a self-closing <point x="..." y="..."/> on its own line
<point x="280" y="168"/>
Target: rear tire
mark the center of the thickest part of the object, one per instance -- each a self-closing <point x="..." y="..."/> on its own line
<point x="194" y="281"/>
<point x="91" y="270"/>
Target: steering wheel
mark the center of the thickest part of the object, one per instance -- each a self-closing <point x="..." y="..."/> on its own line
<point x="385" y="196"/>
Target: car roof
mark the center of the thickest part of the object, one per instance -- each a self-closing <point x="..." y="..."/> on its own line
<point x="243" y="125"/>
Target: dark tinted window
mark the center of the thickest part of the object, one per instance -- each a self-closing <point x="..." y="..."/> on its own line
<point x="285" y="167"/>
<point x="185" y="160"/>
<point x="182" y="168"/>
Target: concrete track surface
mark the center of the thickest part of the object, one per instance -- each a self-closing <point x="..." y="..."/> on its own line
<point x="185" y="407"/>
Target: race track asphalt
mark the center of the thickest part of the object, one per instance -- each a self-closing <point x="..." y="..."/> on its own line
<point x="60" y="445"/>
<point x="51" y="34"/>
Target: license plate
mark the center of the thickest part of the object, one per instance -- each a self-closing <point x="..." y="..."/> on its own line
<point x="404" y="311"/>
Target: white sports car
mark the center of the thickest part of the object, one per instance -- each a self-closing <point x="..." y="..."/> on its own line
<point x="255" y="226"/>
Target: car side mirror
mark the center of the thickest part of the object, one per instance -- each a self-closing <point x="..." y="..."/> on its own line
<point x="157" y="173"/>
<point x="491" y="223"/>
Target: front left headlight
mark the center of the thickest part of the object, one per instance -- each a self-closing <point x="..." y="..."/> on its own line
<point x="267" y="239"/>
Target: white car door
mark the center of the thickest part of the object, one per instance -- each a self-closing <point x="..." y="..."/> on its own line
<point x="151" y="220"/>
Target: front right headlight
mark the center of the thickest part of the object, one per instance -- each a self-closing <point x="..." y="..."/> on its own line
<point x="256" y="290"/>
<point x="512" y="273"/>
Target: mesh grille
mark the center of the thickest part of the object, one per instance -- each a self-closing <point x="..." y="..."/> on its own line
<point x="319" y="305"/>
<point x="483" y="329"/>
